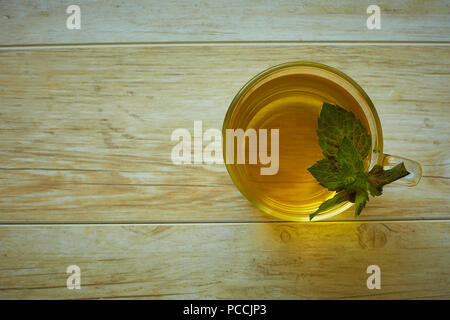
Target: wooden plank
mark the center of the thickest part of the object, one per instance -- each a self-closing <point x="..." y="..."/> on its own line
<point x="227" y="261"/>
<point x="86" y="132"/>
<point x="44" y="22"/>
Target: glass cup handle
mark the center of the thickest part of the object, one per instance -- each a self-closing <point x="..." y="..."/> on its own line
<point x="414" y="168"/>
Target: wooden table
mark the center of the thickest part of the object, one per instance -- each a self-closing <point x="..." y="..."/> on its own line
<point x="86" y="176"/>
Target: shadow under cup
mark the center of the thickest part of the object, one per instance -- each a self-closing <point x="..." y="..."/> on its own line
<point x="289" y="97"/>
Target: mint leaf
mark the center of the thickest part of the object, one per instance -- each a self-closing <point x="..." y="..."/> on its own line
<point x="338" y="198"/>
<point x="328" y="174"/>
<point x="349" y="160"/>
<point x="336" y="123"/>
<point x="346" y="143"/>
<point x="342" y="173"/>
<point x="361" y="198"/>
<point x="378" y="177"/>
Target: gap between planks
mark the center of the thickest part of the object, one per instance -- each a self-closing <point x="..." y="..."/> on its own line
<point x="224" y="43"/>
<point x="150" y="223"/>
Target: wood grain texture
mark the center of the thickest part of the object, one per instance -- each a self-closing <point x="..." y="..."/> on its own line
<point x="85" y="137"/>
<point x="44" y="22"/>
<point x="85" y="133"/>
<point x="227" y="261"/>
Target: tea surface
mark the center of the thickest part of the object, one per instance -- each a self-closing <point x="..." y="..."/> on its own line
<point x="292" y="104"/>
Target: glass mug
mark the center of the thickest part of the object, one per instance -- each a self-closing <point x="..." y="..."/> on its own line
<point x="289" y="97"/>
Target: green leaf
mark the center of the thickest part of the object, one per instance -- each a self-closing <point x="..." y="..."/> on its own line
<point x="349" y="160"/>
<point x="328" y="174"/>
<point x="347" y="172"/>
<point x="361" y="198"/>
<point x="336" y="123"/>
<point x="338" y="198"/>
<point x="378" y="177"/>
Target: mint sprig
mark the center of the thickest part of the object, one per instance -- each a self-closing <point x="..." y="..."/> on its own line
<point x="345" y="143"/>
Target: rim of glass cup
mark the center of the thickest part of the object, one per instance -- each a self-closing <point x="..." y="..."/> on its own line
<point x="378" y="150"/>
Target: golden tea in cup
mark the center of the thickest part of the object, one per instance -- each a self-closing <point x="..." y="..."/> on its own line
<point x="289" y="97"/>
